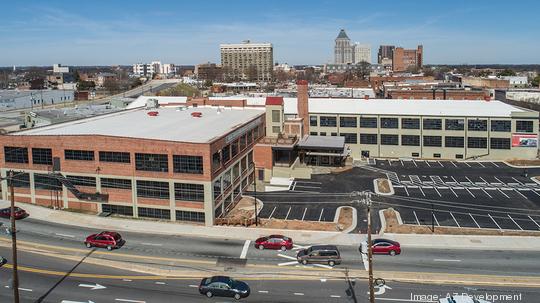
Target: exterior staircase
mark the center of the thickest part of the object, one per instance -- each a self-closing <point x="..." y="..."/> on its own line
<point x="93" y="197"/>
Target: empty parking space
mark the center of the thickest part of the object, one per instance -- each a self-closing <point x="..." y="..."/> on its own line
<point x="302" y="211"/>
<point x="527" y="222"/>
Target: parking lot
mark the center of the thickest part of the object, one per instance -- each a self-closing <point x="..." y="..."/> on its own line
<point x="299" y="211"/>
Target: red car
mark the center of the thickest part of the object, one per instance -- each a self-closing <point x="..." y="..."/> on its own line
<point x="106" y="239"/>
<point x="19" y="213"/>
<point x="274" y="242"/>
<point x="385" y="247"/>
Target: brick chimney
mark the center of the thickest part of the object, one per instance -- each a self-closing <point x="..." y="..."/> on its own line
<point x="302" y="104"/>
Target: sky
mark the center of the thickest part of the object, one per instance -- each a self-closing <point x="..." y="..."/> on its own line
<point x="105" y="32"/>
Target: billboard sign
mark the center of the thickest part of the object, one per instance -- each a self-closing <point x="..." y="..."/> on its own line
<point x="519" y="140"/>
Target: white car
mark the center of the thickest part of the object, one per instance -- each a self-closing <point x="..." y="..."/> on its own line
<point x="462" y="299"/>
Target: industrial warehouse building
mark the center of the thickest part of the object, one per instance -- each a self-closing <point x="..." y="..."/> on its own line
<point x="174" y="163"/>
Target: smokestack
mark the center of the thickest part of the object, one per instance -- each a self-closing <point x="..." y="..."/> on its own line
<point x="302" y="104"/>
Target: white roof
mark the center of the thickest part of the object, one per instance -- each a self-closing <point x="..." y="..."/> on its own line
<point x="171" y="124"/>
<point x="459" y="108"/>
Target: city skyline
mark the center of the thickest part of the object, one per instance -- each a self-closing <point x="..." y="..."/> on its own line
<point x="301" y="32"/>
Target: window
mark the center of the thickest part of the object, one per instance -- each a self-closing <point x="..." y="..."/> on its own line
<point x="234" y="148"/>
<point x="120" y="157"/>
<point x="410" y="123"/>
<point x="16" y="154"/>
<point x="216" y="161"/>
<point x="192" y="216"/>
<point x="117" y="209"/>
<point x="434" y="141"/>
<point x="415" y="154"/>
<point x="217" y="188"/>
<point x="227" y="179"/>
<point x="153" y="189"/>
<point x="249" y="137"/>
<point x="350" y="138"/>
<point x="189" y="192"/>
<point x="368" y="122"/>
<point x="242" y="142"/>
<point x="389" y="140"/>
<point x="459" y="156"/>
<point x="312" y="120"/>
<point x="432" y="123"/>
<point x="389" y="122"/>
<point x="347" y="122"/>
<point x="276" y="116"/>
<point x="312" y="133"/>
<point x="83" y="155"/>
<point x="115" y="183"/>
<point x="368" y="138"/>
<point x="276" y="129"/>
<point x="42" y="181"/>
<point x="21" y="180"/>
<point x="151" y="162"/>
<point x="524" y="126"/>
<point x="410" y="140"/>
<point x="477" y="125"/>
<point x="333" y="134"/>
<point x="322" y="134"/>
<point x="476" y="142"/>
<point x="327" y="121"/>
<point x="501" y="126"/>
<point x="454" y="124"/>
<point x="155" y="213"/>
<point x="226" y="154"/>
<point x="436" y="155"/>
<point x="42" y="156"/>
<point x="450" y="141"/>
<point x="82" y="181"/>
<point x="500" y="143"/>
<point x="187" y="164"/>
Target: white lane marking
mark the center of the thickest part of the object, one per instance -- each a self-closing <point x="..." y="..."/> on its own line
<point x="534" y="222"/>
<point x="416" y="217"/>
<point x="514" y="222"/>
<point x="322" y="211"/>
<point x="298" y="294"/>
<point x="263" y="291"/>
<point x="92" y="286"/>
<point x="127" y="280"/>
<point x="245" y="249"/>
<point x="286" y="257"/>
<point x="288" y="263"/>
<point x="474" y="220"/>
<point x="25" y="289"/>
<point x="495" y="222"/>
<point x="128" y="300"/>
<point x="485" y="192"/>
<point x="323" y="266"/>
<point x="151" y="244"/>
<point x="288" y="212"/>
<point x="65" y="235"/>
<point x="160" y="283"/>
<point x="446" y="260"/>
<point x="273" y="210"/>
<point x="304" y="215"/>
<point x="323" y="280"/>
<point x="335" y="296"/>
<point x="193" y="286"/>
<point x="451" y="214"/>
<point x="453" y="191"/>
<point x="503" y="193"/>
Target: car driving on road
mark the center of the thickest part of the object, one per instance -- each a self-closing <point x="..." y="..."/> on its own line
<point x="105" y="239"/>
<point x="319" y="254"/>
<point x="19" y="213"/>
<point x="382" y="247"/>
<point x="223" y="286"/>
<point x="274" y="242"/>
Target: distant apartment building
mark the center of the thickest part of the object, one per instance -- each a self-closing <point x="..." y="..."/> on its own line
<point x="385" y="55"/>
<point x="517" y="81"/>
<point x="343" y="50"/>
<point x="208" y="71"/>
<point x="247" y="61"/>
<point x="155" y="67"/>
<point x="362" y="53"/>
<point x="404" y="59"/>
<point x="486" y="83"/>
<point x="58" y="68"/>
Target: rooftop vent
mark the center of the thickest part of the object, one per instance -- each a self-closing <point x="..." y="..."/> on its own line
<point x="152" y="103"/>
<point x="196" y="114"/>
<point x="153" y="113"/>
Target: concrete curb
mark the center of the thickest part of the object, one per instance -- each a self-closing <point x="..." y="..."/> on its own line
<point x="383" y="222"/>
<point x="354" y="219"/>
<point x="521" y="166"/>
<point x="376" y="187"/>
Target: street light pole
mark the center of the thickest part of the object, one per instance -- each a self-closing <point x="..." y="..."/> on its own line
<point x="13" y="240"/>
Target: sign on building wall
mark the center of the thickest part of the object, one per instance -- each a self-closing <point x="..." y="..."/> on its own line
<point x="519" y="140"/>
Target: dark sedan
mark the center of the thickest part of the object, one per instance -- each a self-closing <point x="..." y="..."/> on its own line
<point x="223" y="286"/>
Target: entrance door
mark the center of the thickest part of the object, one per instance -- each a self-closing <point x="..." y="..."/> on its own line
<point x="365" y="154"/>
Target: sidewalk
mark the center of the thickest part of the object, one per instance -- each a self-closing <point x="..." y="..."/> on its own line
<point x="300" y="236"/>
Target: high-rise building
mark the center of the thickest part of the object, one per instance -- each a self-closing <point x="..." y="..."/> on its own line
<point x="343" y="50"/>
<point x="385" y="54"/>
<point x="362" y="52"/>
<point x="247" y="61"/>
<point x="404" y="59"/>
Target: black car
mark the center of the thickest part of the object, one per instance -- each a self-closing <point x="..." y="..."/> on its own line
<point x="2" y="261"/>
<point x="223" y="286"/>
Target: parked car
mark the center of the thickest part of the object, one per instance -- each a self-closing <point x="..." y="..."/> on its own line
<point x="274" y="242"/>
<point x="223" y="286"/>
<point x="319" y="254"/>
<point x="106" y="239"/>
<point x="383" y="247"/>
<point x="2" y="261"/>
<point x="461" y="299"/>
<point x="19" y="213"/>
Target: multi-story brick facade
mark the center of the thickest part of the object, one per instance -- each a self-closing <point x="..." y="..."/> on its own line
<point x="162" y="168"/>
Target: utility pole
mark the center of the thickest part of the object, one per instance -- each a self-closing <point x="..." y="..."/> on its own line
<point x="13" y="240"/>
<point x="365" y="199"/>
<point x="255" y="194"/>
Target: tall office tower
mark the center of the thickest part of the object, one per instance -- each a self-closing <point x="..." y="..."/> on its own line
<point x="343" y="52"/>
<point x="362" y="52"/>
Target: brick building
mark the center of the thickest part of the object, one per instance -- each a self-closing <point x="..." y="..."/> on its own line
<point x="403" y="59"/>
<point x="172" y="163"/>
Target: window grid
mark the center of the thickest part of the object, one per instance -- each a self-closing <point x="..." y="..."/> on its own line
<point x="368" y="138"/>
<point x="433" y="141"/>
<point x="476" y="142"/>
<point x="368" y="122"/>
<point x="389" y="139"/>
<point x="42" y="181"/>
<point x="155" y="213"/>
<point x="410" y="123"/>
<point x="115" y="183"/>
<point x="500" y="143"/>
<point x="152" y="189"/>
<point x="454" y="124"/>
<point x="82" y="180"/>
<point x="347" y="122"/>
<point x="189" y="192"/>
<point x="501" y="126"/>
<point x="151" y="162"/>
<point x="432" y="124"/>
<point x="15" y="154"/>
<point x="188" y="164"/>
<point x="21" y="180"/>
<point x="42" y="156"/>
<point x="328" y="121"/>
<point x="82" y="155"/>
<point x="524" y="126"/>
<point x="389" y="123"/>
<point x="119" y="157"/>
<point x="117" y="209"/>
<point x="350" y="138"/>
<point x="477" y="125"/>
<point x="450" y="141"/>
<point x="410" y="140"/>
<point x="192" y="216"/>
<point x="312" y="120"/>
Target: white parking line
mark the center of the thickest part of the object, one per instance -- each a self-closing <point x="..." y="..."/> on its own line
<point x="416" y="217"/>
<point x="534" y="191"/>
<point x="446" y="260"/>
<point x="414" y="163"/>
<point x="480" y="164"/>
<point x="435" y="188"/>
<point x="454" y="179"/>
<point x="407" y="192"/>
<point x="420" y="188"/>
<point x="514" y="222"/>
<point x="273" y="210"/>
<point x="470" y="192"/>
<point x="495" y="222"/>
<point x="498" y="180"/>
<point x="401" y="162"/>
<point x="467" y="164"/>
<point x="484" y="180"/>
<point x="436" y="221"/>
<point x="160" y="283"/>
<point x="335" y="296"/>
<point x="427" y="163"/>
<point x="320" y="217"/>
<point x="288" y="263"/>
<point x="517" y="181"/>
<point x="474" y="220"/>
<point x="130" y="301"/>
<point x="245" y="249"/>
<point x="451" y="214"/>
<point x="64" y="235"/>
<point x="308" y="186"/>
<point x="495" y="164"/>
<point x="151" y="244"/>
<point x="304" y="215"/>
<point x="534" y="222"/>
<point x="453" y="163"/>
<point x="453" y="192"/>
<point x="294" y="185"/>
<point x="503" y="193"/>
<point x="517" y="191"/>
<point x="288" y="212"/>
<point x="485" y="192"/>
